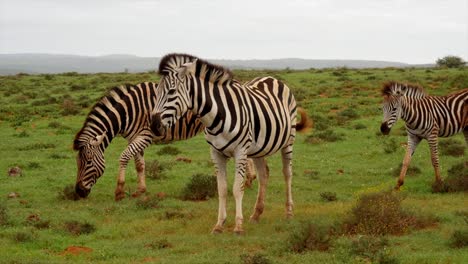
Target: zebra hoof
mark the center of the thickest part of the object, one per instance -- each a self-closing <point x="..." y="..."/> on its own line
<point x="239" y="231"/>
<point x="119" y="196"/>
<point x="254" y="219"/>
<point x="217" y="230"/>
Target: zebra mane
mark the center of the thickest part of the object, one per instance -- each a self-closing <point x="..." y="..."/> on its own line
<point x="101" y="102"/>
<point x="171" y="62"/>
<point x="397" y="88"/>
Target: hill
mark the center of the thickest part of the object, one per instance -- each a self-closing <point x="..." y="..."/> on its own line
<point x="52" y="63"/>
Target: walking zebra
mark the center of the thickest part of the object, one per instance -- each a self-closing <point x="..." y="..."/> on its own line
<point x="124" y="111"/>
<point x="426" y="117"/>
<point x="252" y="120"/>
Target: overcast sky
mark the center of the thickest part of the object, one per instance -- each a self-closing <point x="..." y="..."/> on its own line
<point x="412" y="31"/>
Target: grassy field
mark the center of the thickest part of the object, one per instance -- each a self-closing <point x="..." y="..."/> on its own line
<point x="342" y="159"/>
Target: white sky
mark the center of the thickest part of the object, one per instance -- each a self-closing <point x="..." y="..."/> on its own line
<point x="412" y="31"/>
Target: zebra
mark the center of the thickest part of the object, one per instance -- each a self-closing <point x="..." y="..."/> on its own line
<point x="124" y="111"/>
<point x="253" y="120"/>
<point x="427" y="117"/>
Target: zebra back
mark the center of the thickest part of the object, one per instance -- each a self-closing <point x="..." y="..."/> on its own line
<point x="126" y="111"/>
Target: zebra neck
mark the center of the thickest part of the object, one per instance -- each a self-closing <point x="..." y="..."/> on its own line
<point x="407" y="111"/>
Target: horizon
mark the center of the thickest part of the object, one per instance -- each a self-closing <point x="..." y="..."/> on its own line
<point x="227" y="59"/>
<point x="412" y="32"/>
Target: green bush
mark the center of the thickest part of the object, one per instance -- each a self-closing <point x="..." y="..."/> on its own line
<point x="372" y="249"/>
<point x="3" y="215"/>
<point x="456" y="181"/>
<point x="452" y="147"/>
<point x="68" y="193"/>
<point x="78" y="228"/>
<point x="159" y="244"/>
<point x="148" y="202"/>
<point x="169" y="150"/>
<point x="390" y="146"/>
<point x="309" y="237"/>
<point x="459" y="239"/>
<point x="200" y="187"/>
<point x="328" y="196"/>
<point x="256" y="258"/>
<point x="380" y="214"/>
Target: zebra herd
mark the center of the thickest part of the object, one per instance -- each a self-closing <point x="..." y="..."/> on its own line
<point x="247" y="122"/>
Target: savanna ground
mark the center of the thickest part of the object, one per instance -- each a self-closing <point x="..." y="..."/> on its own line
<point x="343" y="159"/>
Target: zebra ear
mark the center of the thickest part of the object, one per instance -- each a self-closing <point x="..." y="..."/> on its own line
<point x="98" y="140"/>
<point x="188" y="68"/>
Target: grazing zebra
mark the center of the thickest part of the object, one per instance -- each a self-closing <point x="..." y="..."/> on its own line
<point x="426" y="117"/>
<point x="124" y="111"/>
<point x="253" y="120"/>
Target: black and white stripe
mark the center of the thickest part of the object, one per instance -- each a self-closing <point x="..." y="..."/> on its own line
<point x="124" y="111"/>
<point x="426" y="117"/>
<point x="254" y="120"/>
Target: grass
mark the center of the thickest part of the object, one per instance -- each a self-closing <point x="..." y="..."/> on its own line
<point x="37" y="136"/>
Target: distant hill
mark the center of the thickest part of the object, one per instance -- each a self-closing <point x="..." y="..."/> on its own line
<point x="50" y="63"/>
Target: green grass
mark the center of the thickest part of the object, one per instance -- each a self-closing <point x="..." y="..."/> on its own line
<point x="39" y="115"/>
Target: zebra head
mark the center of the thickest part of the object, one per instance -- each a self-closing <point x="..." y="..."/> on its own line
<point x="172" y="94"/>
<point x="391" y="112"/>
<point x="90" y="163"/>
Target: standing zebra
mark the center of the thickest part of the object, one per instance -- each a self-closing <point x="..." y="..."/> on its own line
<point x="125" y="111"/>
<point x="252" y="120"/>
<point x="426" y="117"/>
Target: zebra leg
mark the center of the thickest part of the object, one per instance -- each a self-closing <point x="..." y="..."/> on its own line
<point x="413" y="142"/>
<point x="119" y="193"/>
<point x="286" y="154"/>
<point x="220" y="165"/>
<point x="263" y="174"/>
<point x="249" y="173"/>
<point x="432" y="140"/>
<point x="238" y="191"/>
<point x="135" y="147"/>
<point x="140" y="169"/>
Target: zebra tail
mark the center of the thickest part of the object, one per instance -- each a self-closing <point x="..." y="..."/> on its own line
<point x="306" y="123"/>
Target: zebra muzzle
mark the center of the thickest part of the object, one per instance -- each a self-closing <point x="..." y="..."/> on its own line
<point x="384" y="128"/>
<point x="82" y="192"/>
<point x="156" y="126"/>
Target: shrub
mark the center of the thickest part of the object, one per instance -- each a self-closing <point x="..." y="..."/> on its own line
<point x="459" y="239"/>
<point x="155" y="169"/>
<point x="37" y="146"/>
<point x="390" y="146"/>
<point x="381" y="214"/>
<point x="200" y="187"/>
<point x="456" y="181"/>
<point x="321" y="122"/>
<point x="372" y="249"/>
<point x="22" y="237"/>
<point x="346" y="115"/>
<point x="359" y="126"/>
<point x="33" y="165"/>
<point x="327" y="136"/>
<point x="256" y="258"/>
<point x="69" y="108"/>
<point x="159" y="244"/>
<point x="169" y="150"/>
<point x="148" y="202"/>
<point x="328" y="196"/>
<point x="68" y="193"/>
<point x="452" y="147"/>
<point x="309" y="237"/>
<point x="78" y="228"/>
<point x="3" y="215"/>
